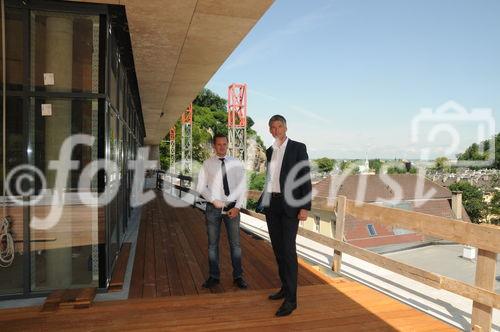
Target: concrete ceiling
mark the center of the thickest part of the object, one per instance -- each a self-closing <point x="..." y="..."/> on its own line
<point x="178" y="45"/>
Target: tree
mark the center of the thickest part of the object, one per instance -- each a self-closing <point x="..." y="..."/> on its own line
<point x="325" y="165"/>
<point x="349" y="164"/>
<point x="472" y="198"/>
<point x="494" y="208"/>
<point x="257" y="181"/>
<point x="375" y="164"/>
<point x="481" y="151"/>
<point x="207" y="98"/>
<point x="396" y="170"/>
<point x="209" y="118"/>
<point x="441" y="163"/>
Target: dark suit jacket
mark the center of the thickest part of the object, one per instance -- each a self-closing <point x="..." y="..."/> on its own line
<point x="295" y="153"/>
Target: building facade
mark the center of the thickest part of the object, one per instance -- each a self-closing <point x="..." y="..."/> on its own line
<point x="69" y="71"/>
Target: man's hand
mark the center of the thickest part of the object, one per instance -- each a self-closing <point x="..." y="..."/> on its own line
<point x="233" y="213"/>
<point x="302" y="214"/>
<point x="218" y="204"/>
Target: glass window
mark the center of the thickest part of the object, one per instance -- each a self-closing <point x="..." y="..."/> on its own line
<point x="121" y="92"/>
<point x="14" y="48"/>
<point x="65" y="52"/>
<point x="64" y="255"/>
<point x="65" y="118"/>
<point x="11" y="274"/>
<point x="371" y="230"/>
<point x="113" y="74"/>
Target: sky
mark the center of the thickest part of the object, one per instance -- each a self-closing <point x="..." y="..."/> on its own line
<point x="353" y="77"/>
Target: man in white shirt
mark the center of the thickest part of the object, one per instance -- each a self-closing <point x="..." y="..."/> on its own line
<point x="222" y="183"/>
<point x="285" y="200"/>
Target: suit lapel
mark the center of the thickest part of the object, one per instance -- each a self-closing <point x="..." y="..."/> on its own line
<point x="285" y="165"/>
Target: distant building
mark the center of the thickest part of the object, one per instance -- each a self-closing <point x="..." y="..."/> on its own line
<point x="366" y="233"/>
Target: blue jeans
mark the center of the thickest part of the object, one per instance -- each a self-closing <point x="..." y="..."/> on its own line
<point x="213" y="220"/>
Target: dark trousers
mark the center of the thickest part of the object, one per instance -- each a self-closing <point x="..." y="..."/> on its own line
<point x="283" y="232"/>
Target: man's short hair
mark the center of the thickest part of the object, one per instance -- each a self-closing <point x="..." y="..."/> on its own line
<point x="277" y="117"/>
<point x="219" y="135"/>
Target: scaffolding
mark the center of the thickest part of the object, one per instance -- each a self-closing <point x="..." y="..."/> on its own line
<point x="237" y="120"/>
<point x="172" y="149"/>
<point x="187" y="142"/>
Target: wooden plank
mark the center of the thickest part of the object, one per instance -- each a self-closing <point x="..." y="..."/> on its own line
<point x="149" y="286"/>
<point x="409" y="271"/>
<point x="261" y="266"/>
<point x="357" y="308"/>
<point x="194" y="268"/>
<point x="174" y="275"/>
<point x="181" y="257"/>
<point x="85" y="298"/>
<point x="479" y="236"/>
<point x="118" y="276"/>
<point x="485" y="278"/>
<point x="477" y="294"/>
<point x="162" y="284"/>
<point x="195" y="226"/>
<point x="339" y="232"/>
<point x="52" y="301"/>
<point x="135" y="290"/>
<point x="198" y="250"/>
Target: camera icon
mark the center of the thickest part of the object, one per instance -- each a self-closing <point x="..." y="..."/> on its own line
<point x="452" y="120"/>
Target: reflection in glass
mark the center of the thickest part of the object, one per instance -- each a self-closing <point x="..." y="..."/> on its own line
<point x="65" y="48"/>
<point x="65" y="255"/>
<point x="11" y="277"/>
<point x="14" y="49"/>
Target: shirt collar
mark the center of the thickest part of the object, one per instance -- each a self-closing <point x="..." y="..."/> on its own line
<point x="275" y="145"/>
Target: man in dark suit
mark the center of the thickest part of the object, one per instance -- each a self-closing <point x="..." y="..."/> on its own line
<point x="285" y="200"/>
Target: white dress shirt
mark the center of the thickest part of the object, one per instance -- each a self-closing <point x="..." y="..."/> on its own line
<point x="210" y="184"/>
<point x="273" y="185"/>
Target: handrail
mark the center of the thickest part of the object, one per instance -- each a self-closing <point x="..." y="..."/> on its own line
<point x="485" y="238"/>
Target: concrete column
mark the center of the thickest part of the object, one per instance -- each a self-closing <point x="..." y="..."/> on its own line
<point x="59" y="61"/>
<point x="154" y="153"/>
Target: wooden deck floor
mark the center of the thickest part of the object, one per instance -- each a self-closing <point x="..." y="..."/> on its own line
<point x="166" y="294"/>
<point x="339" y="306"/>
<point x="172" y="256"/>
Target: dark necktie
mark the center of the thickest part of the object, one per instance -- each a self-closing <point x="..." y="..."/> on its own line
<point x="224" y="177"/>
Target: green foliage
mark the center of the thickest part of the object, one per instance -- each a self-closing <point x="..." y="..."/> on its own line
<point x="207" y="98"/>
<point x="396" y="170"/>
<point x="481" y="151"/>
<point x="349" y="164"/>
<point x="251" y="204"/>
<point x="325" y="165"/>
<point x="209" y="118"/>
<point x="472" y="198"/>
<point x="441" y="164"/>
<point x="375" y="164"/>
<point x="495" y="203"/>
<point x="257" y="181"/>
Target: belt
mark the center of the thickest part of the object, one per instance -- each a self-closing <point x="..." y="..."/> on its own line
<point x="229" y="205"/>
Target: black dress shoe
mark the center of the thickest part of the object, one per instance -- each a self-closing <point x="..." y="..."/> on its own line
<point x="210" y="282"/>
<point x="286" y="309"/>
<point x="277" y="296"/>
<point x="241" y="283"/>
